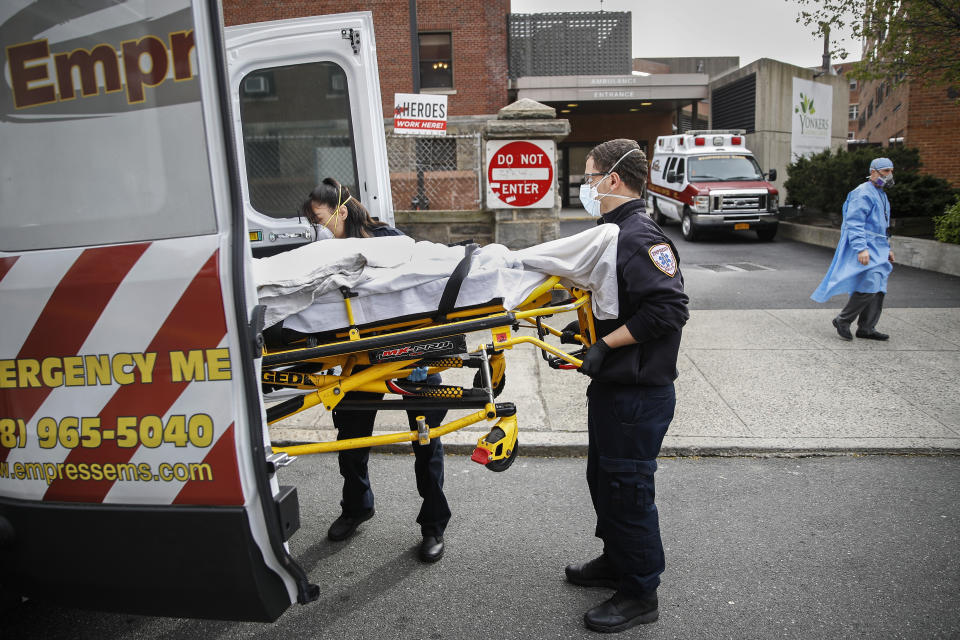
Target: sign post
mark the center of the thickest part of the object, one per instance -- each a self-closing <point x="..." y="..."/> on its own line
<point x="520" y="174"/>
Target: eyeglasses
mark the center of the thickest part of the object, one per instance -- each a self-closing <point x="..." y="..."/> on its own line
<point x="587" y="177"/>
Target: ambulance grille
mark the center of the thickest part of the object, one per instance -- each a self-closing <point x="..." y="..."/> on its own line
<point x="734" y="203"/>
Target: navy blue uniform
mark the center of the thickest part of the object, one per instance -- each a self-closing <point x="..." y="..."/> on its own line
<point x="428" y="466"/>
<point x="631" y="400"/>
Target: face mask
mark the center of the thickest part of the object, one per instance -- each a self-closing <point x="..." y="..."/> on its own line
<point x="884" y="182"/>
<point x="589" y="199"/>
<point x="333" y="216"/>
<point x="322" y="233"/>
<point x="589" y="195"/>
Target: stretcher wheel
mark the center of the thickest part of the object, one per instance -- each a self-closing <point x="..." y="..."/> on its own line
<point x="504" y="463"/>
<point x="497" y="387"/>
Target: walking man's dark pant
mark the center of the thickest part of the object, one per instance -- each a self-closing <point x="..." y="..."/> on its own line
<point x="626" y="425"/>
<point x="428" y="465"/>
<point x="868" y="306"/>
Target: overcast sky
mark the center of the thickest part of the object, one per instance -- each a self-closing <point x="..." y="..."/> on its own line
<point x="750" y="29"/>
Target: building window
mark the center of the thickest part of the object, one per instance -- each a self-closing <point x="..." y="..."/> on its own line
<point x="297" y="138"/>
<point x="853" y="112"/>
<point x="870" y="110"/>
<point x="850" y="135"/>
<point x="880" y="94"/>
<point x="436" y="61"/>
<point x="853" y="85"/>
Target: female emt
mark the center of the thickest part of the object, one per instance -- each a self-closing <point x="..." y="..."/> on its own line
<point x="331" y="206"/>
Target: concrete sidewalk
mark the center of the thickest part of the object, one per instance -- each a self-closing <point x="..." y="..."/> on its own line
<point x="751" y="382"/>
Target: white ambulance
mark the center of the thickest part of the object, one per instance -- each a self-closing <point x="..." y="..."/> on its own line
<point x="136" y="472"/>
<point x="710" y="180"/>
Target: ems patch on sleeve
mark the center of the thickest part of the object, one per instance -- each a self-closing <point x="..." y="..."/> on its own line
<point x="663" y="258"/>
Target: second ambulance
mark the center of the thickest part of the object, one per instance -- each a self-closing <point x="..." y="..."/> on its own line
<point x="710" y="180"/>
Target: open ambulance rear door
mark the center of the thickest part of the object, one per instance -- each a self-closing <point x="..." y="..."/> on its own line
<point x="134" y="472"/>
<point x="307" y="106"/>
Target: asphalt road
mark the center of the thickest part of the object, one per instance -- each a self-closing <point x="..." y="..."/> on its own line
<point x="836" y="547"/>
<point x="738" y="271"/>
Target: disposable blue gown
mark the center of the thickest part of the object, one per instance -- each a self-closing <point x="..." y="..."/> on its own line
<point x="866" y="216"/>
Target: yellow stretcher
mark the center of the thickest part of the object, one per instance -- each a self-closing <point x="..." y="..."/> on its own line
<point x="377" y="358"/>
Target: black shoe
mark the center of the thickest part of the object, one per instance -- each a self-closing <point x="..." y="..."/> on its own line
<point x="621" y="612"/>
<point x="595" y="573"/>
<point x="843" y="330"/>
<point x="344" y="526"/>
<point x="872" y="335"/>
<point x="431" y="549"/>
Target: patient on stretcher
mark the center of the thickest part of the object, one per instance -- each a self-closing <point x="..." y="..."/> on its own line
<point x="395" y="277"/>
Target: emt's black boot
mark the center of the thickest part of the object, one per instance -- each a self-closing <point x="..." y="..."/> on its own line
<point x="621" y="612"/>
<point x="595" y="573"/>
<point x="344" y="526"/>
<point x="872" y="335"/>
<point x="843" y="330"/>
<point x="431" y="549"/>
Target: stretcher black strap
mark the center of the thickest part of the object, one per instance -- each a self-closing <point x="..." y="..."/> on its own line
<point x="450" y="292"/>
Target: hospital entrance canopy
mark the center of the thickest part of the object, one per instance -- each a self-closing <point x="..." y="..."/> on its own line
<point x="616" y="93"/>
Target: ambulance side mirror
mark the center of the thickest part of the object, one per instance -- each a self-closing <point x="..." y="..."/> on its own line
<point x="772" y="175"/>
<point x="671" y="176"/>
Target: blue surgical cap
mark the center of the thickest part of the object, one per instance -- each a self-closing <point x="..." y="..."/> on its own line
<point x="881" y="163"/>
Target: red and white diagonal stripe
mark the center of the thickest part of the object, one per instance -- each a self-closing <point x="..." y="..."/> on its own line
<point x="150" y="297"/>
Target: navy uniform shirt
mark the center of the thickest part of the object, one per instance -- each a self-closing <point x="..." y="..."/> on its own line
<point x="653" y="304"/>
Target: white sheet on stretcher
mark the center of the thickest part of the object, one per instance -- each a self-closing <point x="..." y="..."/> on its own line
<point x="395" y="277"/>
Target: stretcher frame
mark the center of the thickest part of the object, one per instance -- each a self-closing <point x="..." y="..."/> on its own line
<point x="373" y="359"/>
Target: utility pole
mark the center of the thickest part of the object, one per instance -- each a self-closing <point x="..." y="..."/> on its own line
<point x="420" y="201"/>
<point x="826" y="48"/>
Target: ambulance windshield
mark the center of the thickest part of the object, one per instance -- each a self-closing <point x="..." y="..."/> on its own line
<point x="723" y="168"/>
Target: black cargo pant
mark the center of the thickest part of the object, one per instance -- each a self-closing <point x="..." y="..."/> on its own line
<point x="865" y="308"/>
<point x="428" y="465"/>
<point x="626" y="425"/>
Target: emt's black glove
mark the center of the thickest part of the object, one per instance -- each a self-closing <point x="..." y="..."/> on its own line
<point x="593" y="358"/>
<point x="569" y="333"/>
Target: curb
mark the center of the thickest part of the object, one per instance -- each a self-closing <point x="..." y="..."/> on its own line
<point x="574" y="445"/>
<point x="929" y="255"/>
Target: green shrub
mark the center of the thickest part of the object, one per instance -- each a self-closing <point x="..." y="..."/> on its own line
<point x="822" y="181"/>
<point x="948" y="225"/>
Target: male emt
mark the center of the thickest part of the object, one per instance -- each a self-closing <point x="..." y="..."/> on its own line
<point x="863" y="259"/>
<point x="631" y="400"/>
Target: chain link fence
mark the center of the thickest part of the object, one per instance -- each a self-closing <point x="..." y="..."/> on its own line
<point x="282" y="169"/>
<point x="439" y="173"/>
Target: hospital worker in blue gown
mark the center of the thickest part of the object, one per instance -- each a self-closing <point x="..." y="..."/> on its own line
<point x="863" y="260"/>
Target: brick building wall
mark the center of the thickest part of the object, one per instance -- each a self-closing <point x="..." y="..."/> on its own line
<point x="883" y="111"/>
<point x="933" y="127"/>
<point x="478" y="31"/>
<point x="852" y="124"/>
<point x="925" y="117"/>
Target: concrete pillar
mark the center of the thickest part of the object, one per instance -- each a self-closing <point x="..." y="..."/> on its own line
<point x="526" y="120"/>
